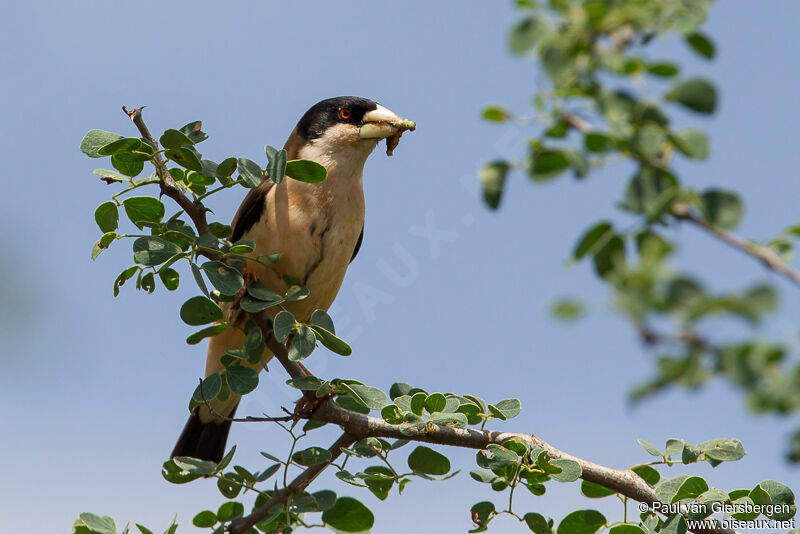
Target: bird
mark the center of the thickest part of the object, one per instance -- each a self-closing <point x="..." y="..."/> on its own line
<point x="316" y="228"/>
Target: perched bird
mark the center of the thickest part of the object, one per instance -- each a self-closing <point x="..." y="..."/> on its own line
<point x="316" y="228"/>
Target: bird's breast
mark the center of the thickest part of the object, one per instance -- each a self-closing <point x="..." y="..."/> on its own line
<point x="315" y="231"/>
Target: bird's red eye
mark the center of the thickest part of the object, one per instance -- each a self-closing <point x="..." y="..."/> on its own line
<point x="345" y="114"/>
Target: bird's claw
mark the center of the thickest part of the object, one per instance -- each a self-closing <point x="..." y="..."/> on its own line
<point x="309" y="402"/>
<point x="249" y="278"/>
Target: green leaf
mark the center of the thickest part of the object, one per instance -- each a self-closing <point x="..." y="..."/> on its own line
<point x="296" y="292"/>
<point x="193" y="131"/>
<point x="303" y="343"/>
<point x="130" y="165"/>
<point x="595" y="491"/>
<point x="721" y="208"/>
<point x="306" y="170"/>
<point x="691" y="488"/>
<point x="195" y="466"/>
<point x="567" y="309"/>
<point x="647" y="473"/>
<point x="259" y="291"/>
<point x="495" y="457"/>
<point x="251" y="305"/>
<point x="210" y="331"/>
<point x="782" y="499"/>
<point x="229" y="510"/>
<point x="675" y="524"/>
<point x="701" y="44"/>
<point x="96" y="139"/>
<point x="198" y="278"/>
<point x="696" y="94"/>
<point x="205" y="519"/>
<point x="391" y="414"/>
<point x="276" y="168"/>
<point x="250" y="172"/>
<point x="126" y="144"/>
<point x="109" y="176"/>
<point x="609" y="261"/>
<point x="651" y="449"/>
<point x="651" y="192"/>
<point x="123" y="277"/>
<point x="495" y="114"/>
<point x="226" y="168"/>
<point x="435" y="402"/>
<point x="241" y="380"/>
<point x="372" y="398"/>
<point x="283" y="325"/>
<point x="693" y="144"/>
<point x="581" y="522"/>
<point x="428" y="461"/>
<point x="199" y="311"/>
<point x="417" y="402"/>
<point x="349" y="515"/>
<point x="175" y="475"/>
<point x="184" y="157"/>
<point x="144" y="209"/>
<point x="570" y="470"/>
<point x="649" y="140"/>
<point x="306" y="383"/>
<point x="724" y="450"/>
<point x="482" y="510"/>
<point x="663" y="69"/>
<point x="150" y="250"/>
<point x="174" y="139"/>
<point x="106" y="216"/>
<point x="331" y="342"/>
<point x="537" y="523"/>
<point x="627" y="529"/>
<point x="525" y="34"/>
<point x="546" y="164"/>
<point x="169" y="277"/>
<point x="493" y="177"/>
<point x="667" y="489"/>
<point x="598" y="142"/>
<point x="311" y="456"/>
<point x="506" y="409"/>
<point x="97" y="524"/>
<point x="594" y="238"/>
<point x="225" y="278"/>
<point x="212" y="385"/>
<point x="322" y="319"/>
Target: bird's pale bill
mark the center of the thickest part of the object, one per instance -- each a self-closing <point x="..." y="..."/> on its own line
<point x="381" y="123"/>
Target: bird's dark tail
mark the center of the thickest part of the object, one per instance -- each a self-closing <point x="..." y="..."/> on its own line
<point x="205" y="441"/>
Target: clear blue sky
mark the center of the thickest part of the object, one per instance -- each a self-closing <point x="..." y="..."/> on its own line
<point x="92" y="405"/>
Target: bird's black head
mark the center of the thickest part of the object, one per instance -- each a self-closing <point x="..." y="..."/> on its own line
<point x="338" y="110"/>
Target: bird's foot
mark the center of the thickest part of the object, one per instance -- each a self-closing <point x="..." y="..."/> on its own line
<point x="249" y="278"/>
<point x="309" y="402"/>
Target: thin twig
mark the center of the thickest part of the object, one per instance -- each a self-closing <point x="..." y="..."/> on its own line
<point x="195" y="210"/>
<point x="247" y="419"/>
<point x="767" y="256"/>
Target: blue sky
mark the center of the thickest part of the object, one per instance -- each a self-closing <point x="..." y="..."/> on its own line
<point x="97" y="387"/>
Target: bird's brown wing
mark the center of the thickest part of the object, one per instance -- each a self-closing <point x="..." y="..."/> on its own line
<point x="251" y="210"/>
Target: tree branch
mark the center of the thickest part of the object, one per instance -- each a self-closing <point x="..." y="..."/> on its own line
<point x="281" y="496"/>
<point x="194" y="209"/>
<point x="767" y="256"/>
<point x="358" y="426"/>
